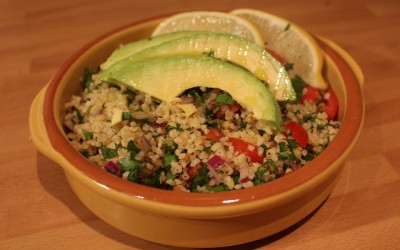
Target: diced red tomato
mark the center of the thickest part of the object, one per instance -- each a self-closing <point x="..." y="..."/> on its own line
<point x="297" y="132"/>
<point x="277" y="56"/>
<point x="220" y="112"/>
<point x="214" y="134"/>
<point x="141" y="175"/>
<point x="193" y="171"/>
<point x="331" y="105"/>
<point x="242" y="147"/>
<point x="311" y="94"/>
<point x="235" y="107"/>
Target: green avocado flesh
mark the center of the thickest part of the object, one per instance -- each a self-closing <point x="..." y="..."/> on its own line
<point x="231" y="48"/>
<point x="131" y="48"/>
<point x="167" y="77"/>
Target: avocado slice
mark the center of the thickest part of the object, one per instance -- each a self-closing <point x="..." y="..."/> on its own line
<point x="129" y="49"/>
<point x="224" y="46"/>
<point x="166" y="78"/>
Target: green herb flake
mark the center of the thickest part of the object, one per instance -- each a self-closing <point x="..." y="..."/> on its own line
<point x="169" y="128"/>
<point x="292" y="157"/>
<point x="210" y="53"/>
<point x="292" y="143"/>
<point x="169" y="147"/>
<point x="128" y="101"/>
<point x="298" y="86"/>
<point x="108" y="153"/>
<point x="321" y="126"/>
<point x="88" y="135"/>
<point x="129" y="92"/>
<point x="132" y="176"/>
<point x="170" y="176"/>
<point x="243" y="125"/>
<point x="196" y="92"/>
<point x="273" y="165"/>
<point x="131" y="146"/>
<point x="288" y="66"/>
<point x="168" y="159"/>
<point x="261" y="132"/>
<point x="126" y="116"/>
<point x="282" y="147"/>
<point x="260" y="172"/>
<point x="201" y="179"/>
<point x="177" y="128"/>
<point x="309" y="156"/>
<point x="287" y="27"/>
<point x="265" y="147"/>
<point x="207" y="150"/>
<point x="87" y="78"/>
<point x="282" y="157"/>
<point x="79" y="116"/>
<point x="127" y="164"/>
<point x="85" y="153"/>
<point x="309" y="118"/>
<point x="223" y="98"/>
<point x="89" y="109"/>
<point x="218" y="188"/>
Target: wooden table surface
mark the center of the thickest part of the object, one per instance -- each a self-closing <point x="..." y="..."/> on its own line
<point x="38" y="210"/>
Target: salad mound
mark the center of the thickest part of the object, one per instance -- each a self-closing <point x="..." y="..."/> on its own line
<point x="207" y="119"/>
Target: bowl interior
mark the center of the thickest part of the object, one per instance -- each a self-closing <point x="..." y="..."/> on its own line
<point x="66" y="83"/>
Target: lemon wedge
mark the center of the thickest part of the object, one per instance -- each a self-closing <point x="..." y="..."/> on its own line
<point x="210" y="21"/>
<point x="291" y="42"/>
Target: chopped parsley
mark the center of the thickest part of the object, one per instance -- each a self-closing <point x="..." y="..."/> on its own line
<point x="273" y="167"/>
<point x="127" y="164"/>
<point x="133" y="149"/>
<point x="207" y="150"/>
<point x="258" y="176"/>
<point x="168" y="159"/>
<point x="298" y="86"/>
<point x="85" y="153"/>
<point x="79" y="116"/>
<point x="126" y="116"/>
<point x="196" y="92"/>
<point x="88" y="135"/>
<point x="243" y="125"/>
<point x="292" y="143"/>
<point x="223" y="98"/>
<point x="201" y="179"/>
<point x="282" y="147"/>
<point x="177" y="128"/>
<point x="265" y="148"/>
<point x="108" y="153"/>
<point x="309" y="156"/>
<point x="261" y="132"/>
<point x="218" y="188"/>
<point x="87" y="77"/>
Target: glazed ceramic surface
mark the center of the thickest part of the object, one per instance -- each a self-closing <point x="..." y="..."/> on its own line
<point x="187" y="219"/>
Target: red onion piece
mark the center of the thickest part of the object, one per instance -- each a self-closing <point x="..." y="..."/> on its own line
<point x="216" y="161"/>
<point x="244" y="175"/>
<point x="186" y="99"/>
<point x="143" y="144"/>
<point x="113" y="168"/>
<point x="161" y="125"/>
<point x="244" y="180"/>
<point x="294" y="166"/>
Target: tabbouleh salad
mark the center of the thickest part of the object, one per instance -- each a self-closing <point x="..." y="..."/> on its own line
<point x="217" y="146"/>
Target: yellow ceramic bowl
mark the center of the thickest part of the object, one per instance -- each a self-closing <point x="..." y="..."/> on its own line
<point x="191" y="219"/>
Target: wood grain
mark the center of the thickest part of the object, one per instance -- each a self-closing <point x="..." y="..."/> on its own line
<point x="39" y="211"/>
